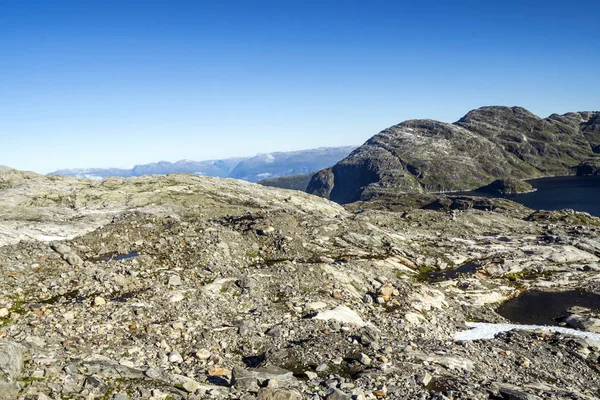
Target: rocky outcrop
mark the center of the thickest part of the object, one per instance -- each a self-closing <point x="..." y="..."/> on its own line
<point x="590" y="167"/>
<point x="490" y="143"/>
<point x="506" y="186"/>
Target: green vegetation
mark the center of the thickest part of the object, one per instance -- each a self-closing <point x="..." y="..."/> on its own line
<point x="294" y="182"/>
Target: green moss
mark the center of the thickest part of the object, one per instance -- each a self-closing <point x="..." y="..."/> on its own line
<point x="422" y="273"/>
<point x="526" y="274"/>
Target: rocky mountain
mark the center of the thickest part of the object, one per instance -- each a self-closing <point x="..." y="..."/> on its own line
<point x="274" y="165"/>
<point x="190" y="287"/>
<point x="262" y="166"/>
<point x="490" y="143"/>
<point x="590" y="166"/>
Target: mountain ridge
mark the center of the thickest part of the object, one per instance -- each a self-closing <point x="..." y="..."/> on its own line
<point x="489" y="143"/>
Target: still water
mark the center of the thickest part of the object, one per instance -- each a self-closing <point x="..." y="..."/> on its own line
<point x="580" y="193"/>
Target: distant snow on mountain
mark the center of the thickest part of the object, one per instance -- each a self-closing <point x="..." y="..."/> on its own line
<point x="253" y="169"/>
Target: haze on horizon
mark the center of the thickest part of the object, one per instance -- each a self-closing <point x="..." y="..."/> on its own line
<point x="113" y="84"/>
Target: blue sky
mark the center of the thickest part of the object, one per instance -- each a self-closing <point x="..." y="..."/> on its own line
<point x="116" y="83"/>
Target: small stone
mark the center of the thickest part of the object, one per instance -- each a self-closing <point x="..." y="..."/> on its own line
<point x="99" y="301"/>
<point x="178" y="326"/>
<point x="73" y="259"/>
<point x="188" y="384"/>
<point x="203" y="354"/>
<point x="154" y="373"/>
<point x="413" y="318"/>
<point x="323" y="367"/>
<point x="337" y="395"/>
<point x="219" y="372"/>
<point x="61" y="249"/>
<point x="367" y="299"/>
<point x="174" y="280"/>
<point x="37" y="374"/>
<point x="69" y="316"/>
<point x="311" y="375"/>
<point x="386" y="291"/>
<point x="275" y="331"/>
<point x="175" y="297"/>
<point x="336" y="294"/>
<point x="175" y="357"/>
<point x="4" y="312"/>
<point x="425" y="379"/>
<point x="265" y="230"/>
<point x="364" y="359"/>
<point x="95" y="385"/>
<point x="277" y="394"/>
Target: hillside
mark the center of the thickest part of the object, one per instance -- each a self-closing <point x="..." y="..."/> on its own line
<point x="490" y="143"/>
<point x="293" y="182"/>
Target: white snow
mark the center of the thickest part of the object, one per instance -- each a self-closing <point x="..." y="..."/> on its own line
<point x="483" y="330"/>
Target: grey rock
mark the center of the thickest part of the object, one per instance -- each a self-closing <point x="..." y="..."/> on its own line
<point x="61" y="249"/>
<point x="364" y="359"/>
<point x="174" y="280"/>
<point x="73" y="259"/>
<point x="337" y="395"/>
<point x="95" y="385"/>
<point x="513" y="394"/>
<point x="277" y="394"/>
<point x="11" y="360"/>
<point x="9" y="391"/>
<point x="252" y="378"/>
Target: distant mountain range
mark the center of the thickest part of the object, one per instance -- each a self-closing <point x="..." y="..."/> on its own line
<point x="252" y="169"/>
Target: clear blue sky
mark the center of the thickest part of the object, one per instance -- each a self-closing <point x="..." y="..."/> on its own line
<point x="91" y="83"/>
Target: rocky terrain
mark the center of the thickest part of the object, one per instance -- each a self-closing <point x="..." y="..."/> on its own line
<point x="252" y="169"/>
<point x="188" y="287"/>
<point x="507" y="186"/>
<point x="590" y="166"/>
<point x="487" y="144"/>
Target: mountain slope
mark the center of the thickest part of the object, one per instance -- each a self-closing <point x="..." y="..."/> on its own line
<point x="294" y="182"/>
<point x="419" y="156"/>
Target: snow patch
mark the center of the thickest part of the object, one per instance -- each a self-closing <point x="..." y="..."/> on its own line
<point x="482" y="330"/>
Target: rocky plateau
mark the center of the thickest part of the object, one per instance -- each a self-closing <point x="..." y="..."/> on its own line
<point x="189" y="287"/>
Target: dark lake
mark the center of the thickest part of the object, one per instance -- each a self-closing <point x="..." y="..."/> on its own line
<point x="546" y="308"/>
<point x="580" y="193"/>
